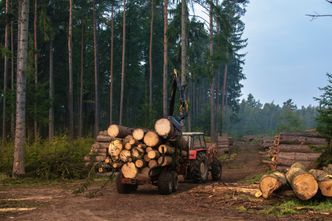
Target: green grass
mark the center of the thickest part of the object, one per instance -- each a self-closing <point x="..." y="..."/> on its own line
<point x="295" y="206"/>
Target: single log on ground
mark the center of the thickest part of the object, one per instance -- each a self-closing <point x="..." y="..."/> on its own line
<point x="153" y="154"/>
<point x="119" y="131"/>
<point x="152" y="164"/>
<point x="138" y="133"/>
<point x="164" y="127"/>
<point x="164" y="160"/>
<point x="151" y="139"/>
<point x="129" y="170"/>
<point x="301" y="139"/>
<point x="139" y="163"/>
<point x="166" y="149"/>
<point x="271" y="182"/>
<point x="295" y="148"/>
<point x="125" y="155"/>
<point x="303" y="183"/>
<point x="324" y="181"/>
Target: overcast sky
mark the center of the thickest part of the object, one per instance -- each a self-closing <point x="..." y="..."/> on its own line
<point x="288" y="55"/>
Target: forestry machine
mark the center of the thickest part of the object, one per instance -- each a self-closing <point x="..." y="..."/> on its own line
<point x="193" y="160"/>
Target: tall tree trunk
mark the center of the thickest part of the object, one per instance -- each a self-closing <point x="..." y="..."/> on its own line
<point x="95" y="69"/>
<point x="150" y="56"/>
<point x="218" y="74"/>
<point x="224" y="96"/>
<point x="212" y="105"/>
<point x="22" y="58"/>
<point x="51" y="93"/>
<point x="123" y="61"/>
<point x="5" y="74"/>
<point x="70" y="71"/>
<point x="112" y="65"/>
<point x="35" y="47"/>
<point x="165" y="66"/>
<point x="184" y="42"/>
<point x="183" y="51"/>
<point x="80" y="114"/>
<point x="12" y="117"/>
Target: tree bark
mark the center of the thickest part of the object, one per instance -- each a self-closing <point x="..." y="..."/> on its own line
<point x="183" y="44"/>
<point x="111" y="65"/>
<point x="35" y="46"/>
<point x="5" y="75"/>
<point x="165" y="65"/>
<point x="51" y="93"/>
<point x="22" y="57"/>
<point x="223" y="101"/>
<point x="150" y="56"/>
<point x="95" y="48"/>
<point x="271" y="182"/>
<point x="80" y="108"/>
<point x="12" y="120"/>
<point x="301" y="139"/>
<point x="70" y="72"/>
<point x="212" y="105"/>
<point x="123" y="61"/>
<point x="303" y="183"/>
<point x="295" y="148"/>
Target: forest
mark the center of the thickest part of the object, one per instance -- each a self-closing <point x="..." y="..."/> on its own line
<point x="74" y="67"/>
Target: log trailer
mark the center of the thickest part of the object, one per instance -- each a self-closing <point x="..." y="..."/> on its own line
<point x="168" y="152"/>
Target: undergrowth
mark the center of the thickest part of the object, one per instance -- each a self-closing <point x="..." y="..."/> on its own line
<point x="60" y="158"/>
<point x="295" y="206"/>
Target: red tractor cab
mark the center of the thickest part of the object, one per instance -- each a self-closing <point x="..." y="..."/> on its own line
<point x="202" y="160"/>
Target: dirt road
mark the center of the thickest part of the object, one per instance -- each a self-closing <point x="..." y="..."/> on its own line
<point x="56" y="202"/>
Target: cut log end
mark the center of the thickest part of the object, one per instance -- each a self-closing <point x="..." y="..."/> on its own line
<point x="129" y="170"/>
<point x="113" y="130"/>
<point x="138" y="133"/>
<point x="151" y="139"/>
<point x="163" y="127"/>
<point x="305" y="186"/>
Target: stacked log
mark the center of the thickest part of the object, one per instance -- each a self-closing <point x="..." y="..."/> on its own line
<point x="99" y="150"/>
<point x="289" y="148"/>
<point x="224" y="144"/>
<point x="135" y="152"/>
<point x="305" y="184"/>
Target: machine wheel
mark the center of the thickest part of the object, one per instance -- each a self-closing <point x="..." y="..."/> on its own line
<point x="165" y="182"/>
<point x="175" y="181"/>
<point x="216" y="170"/>
<point x="199" y="168"/>
<point x="123" y="187"/>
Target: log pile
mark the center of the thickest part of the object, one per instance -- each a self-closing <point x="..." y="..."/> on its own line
<point x="98" y="151"/>
<point x="305" y="184"/>
<point x="289" y="148"/>
<point x="135" y="152"/>
<point x="224" y="144"/>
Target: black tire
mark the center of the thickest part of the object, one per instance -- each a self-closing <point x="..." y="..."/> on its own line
<point x="175" y="181"/>
<point x="123" y="187"/>
<point x="216" y="170"/>
<point x="165" y="182"/>
<point x="199" y="168"/>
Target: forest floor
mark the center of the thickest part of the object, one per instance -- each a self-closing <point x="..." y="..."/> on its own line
<point x="209" y="201"/>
